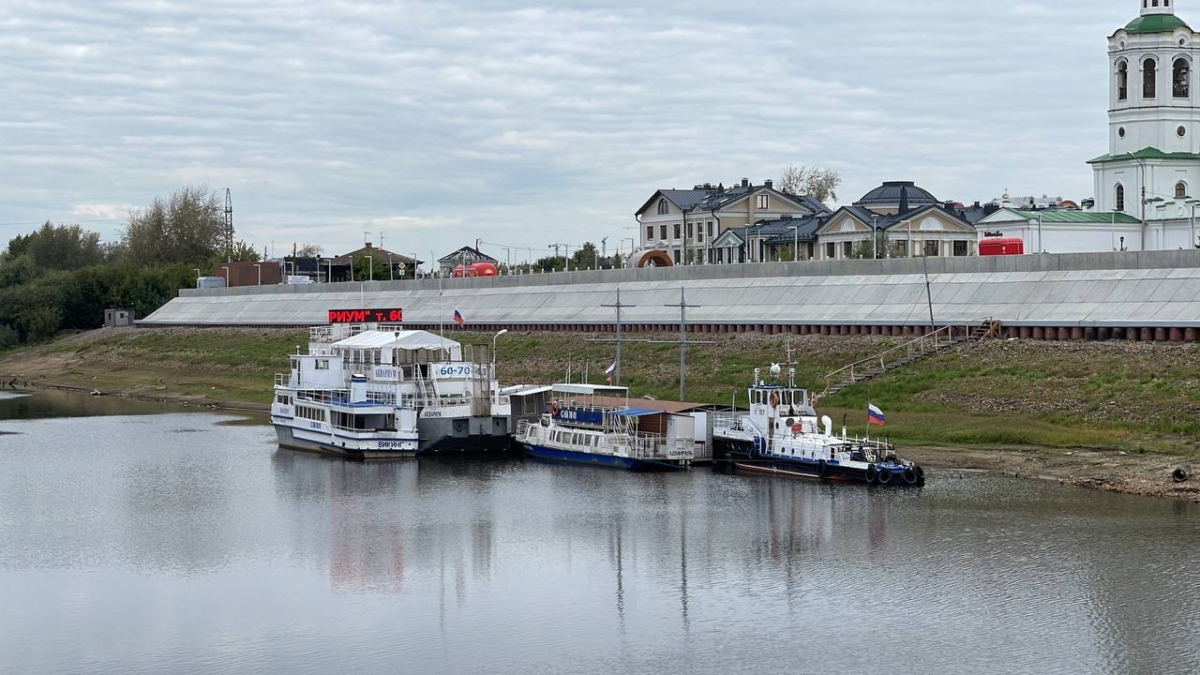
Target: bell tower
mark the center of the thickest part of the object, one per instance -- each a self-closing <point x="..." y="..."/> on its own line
<point x="1157" y="7"/>
<point x="1153" y="163"/>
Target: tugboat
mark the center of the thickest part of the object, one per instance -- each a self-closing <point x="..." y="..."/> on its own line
<point x="378" y="391"/>
<point x="597" y="433"/>
<point x="782" y="436"/>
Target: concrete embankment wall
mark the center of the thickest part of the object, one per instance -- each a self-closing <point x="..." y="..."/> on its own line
<point x="1145" y="295"/>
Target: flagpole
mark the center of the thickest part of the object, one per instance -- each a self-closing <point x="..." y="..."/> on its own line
<point x="441" y="309"/>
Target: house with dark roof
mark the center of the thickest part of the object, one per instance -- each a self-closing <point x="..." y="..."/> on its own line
<point x="682" y="226"/>
<point x="789" y="238"/>
<point x="466" y="255"/>
<point x="908" y="220"/>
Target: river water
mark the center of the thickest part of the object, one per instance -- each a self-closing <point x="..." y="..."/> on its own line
<point x="134" y="542"/>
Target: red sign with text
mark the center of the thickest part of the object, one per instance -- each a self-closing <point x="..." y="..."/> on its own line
<point x="366" y="315"/>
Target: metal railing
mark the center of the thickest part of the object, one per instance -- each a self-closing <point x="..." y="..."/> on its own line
<point x="922" y="346"/>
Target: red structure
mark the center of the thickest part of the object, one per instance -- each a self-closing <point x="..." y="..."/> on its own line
<point x="1009" y="246"/>
<point x="479" y="269"/>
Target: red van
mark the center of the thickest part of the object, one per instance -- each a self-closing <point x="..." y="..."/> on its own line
<point x="1008" y="246"/>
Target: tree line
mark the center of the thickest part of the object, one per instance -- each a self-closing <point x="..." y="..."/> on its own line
<point x="61" y="277"/>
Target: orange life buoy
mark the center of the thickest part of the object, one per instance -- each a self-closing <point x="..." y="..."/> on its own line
<point x="554" y="409"/>
<point x="774" y="399"/>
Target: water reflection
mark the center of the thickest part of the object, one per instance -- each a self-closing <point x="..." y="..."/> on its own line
<point x="221" y="553"/>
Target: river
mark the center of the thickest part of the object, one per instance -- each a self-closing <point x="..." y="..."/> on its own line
<point x="135" y="539"/>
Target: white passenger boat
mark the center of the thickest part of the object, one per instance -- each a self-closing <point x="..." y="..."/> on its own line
<point x="782" y="435"/>
<point x="380" y="391"/>
<point x="587" y="431"/>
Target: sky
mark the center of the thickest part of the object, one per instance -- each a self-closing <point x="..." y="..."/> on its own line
<point x="433" y="124"/>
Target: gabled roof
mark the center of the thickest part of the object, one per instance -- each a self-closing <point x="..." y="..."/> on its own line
<point x="376" y="253"/>
<point x="780" y="231"/>
<point x="467" y="252"/>
<point x="1070" y="216"/>
<point x="714" y="199"/>
<point x="885" y="223"/>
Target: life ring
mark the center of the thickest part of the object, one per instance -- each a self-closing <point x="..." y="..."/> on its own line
<point x="822" y="469"/>
<point x="555" y="410"/>
<point x="872" y="475"/>
<point x="1179" y="475"/>
<point x="797" y="429"/>
<point x="920" y="475"/>
<point x="885" y="476"/>
<point x="910" y="476"/>
<point x="774" y="399"/>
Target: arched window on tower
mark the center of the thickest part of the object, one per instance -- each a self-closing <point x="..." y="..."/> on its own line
<point x="663" y="208"/>
<point x="1181" y="80"/>
<point x="1149" y="78"/>
<point x="1181" y="190"/>
<point x="1123" y="81"/>
<point x="1120" y="197"/>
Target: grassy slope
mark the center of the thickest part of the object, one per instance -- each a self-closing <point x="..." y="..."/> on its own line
<point x="1134" y="397"/>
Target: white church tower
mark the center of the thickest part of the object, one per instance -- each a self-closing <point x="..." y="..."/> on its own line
<point x="1152" y="169"/>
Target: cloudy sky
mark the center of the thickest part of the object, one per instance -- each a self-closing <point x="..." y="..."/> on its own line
<point x="525" y="124"/>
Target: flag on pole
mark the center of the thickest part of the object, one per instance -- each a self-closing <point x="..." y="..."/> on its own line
<point x="875" y="416"/>
<point x="612" y="370"/>
<point x="458" y="319"/>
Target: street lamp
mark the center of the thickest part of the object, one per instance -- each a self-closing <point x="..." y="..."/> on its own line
<point x="494" y="338"/>
<point x="370" y="267"/>
<point x="228" y="281"/>
<point x="1192" y="222"/>
<point x="795" y="243"/>
<point x="1038" y="220"/>
<point x="259" y="267"/>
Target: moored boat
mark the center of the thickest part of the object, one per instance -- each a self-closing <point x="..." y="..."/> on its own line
<point x="381" y="392"/>
<point x="783" y="435"/>
<point x="622" y="437"/>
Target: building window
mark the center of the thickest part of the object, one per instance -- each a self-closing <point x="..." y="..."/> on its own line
<point x="902" y="249"/>
<point x="960" y="248"/>
<point x="700" y="234"/>
<point x="847" y="249"/>
<point x="1120" y="197"/>
<point x="1122" y="81"/>
<point x="677" y="228"/>
<point x="1181" y="191"/>
<point x="1149" y="78"/>
<point x="691" y="234"/>
<point x="710" y="230"/>
<point x="764" y="202"/>
<point x="663" y="207"/>
<point x="662" y="231"/>
<point x="676" y="257"/>
<point x="931" y="249"/>
<point x="650" y="233"/>
<point x="1181" y="87"/>
<point x="830" y="251"/>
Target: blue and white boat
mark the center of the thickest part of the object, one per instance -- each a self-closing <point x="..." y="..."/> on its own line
<point x="595" y="425"/>
<point x="782" y="436"/>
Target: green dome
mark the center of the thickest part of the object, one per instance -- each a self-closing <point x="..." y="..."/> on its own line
<point x="1156" y="23"/>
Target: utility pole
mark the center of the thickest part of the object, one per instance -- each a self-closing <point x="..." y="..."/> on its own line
<point x="619" y="307"/>
<point x="929" y="294"/>
<point x="683" y="341"/>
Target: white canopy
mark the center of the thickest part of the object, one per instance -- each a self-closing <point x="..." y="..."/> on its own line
<point x="407" y="340"/>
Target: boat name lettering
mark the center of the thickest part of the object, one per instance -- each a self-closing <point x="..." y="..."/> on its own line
<point x="385" y="373"/>
<point x="315" y="425"/>
<point x="581" y="416"/>
<point x="391" y="445"/>
<point x="432" y="413"/>
<point x="680" y="454"/>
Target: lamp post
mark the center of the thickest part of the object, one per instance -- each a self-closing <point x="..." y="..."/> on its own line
<point x="197" y="271"/>
<point x="259" y="268"/>
<point x="875" y="237"/>
<point x="370" y="268"/>
<point x="795" y="243"/>
<point x="228" y="281"/>
<point x="494" y="338"/>
<point x="1038" y="220"/>
<point x="1192" y="223"/>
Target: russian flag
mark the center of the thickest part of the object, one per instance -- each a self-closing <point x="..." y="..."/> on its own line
<point x="875" y="416"/>
<point x="612" y="370"/>
<point x="458" y="319"/>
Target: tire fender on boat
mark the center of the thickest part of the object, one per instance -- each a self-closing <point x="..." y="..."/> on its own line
<point x="910" y="476"/>
<point x="885" y="476"/>
<point x="920" y="475"/>
<point x="872" y="475"/>
<point x="822" y="469"/>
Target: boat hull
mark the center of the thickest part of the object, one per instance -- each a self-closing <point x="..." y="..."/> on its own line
<point x="464" y="435"/>
<point x="287" y="439"/>
<point x="746" y="459"/>
<point x="548" y="454"/>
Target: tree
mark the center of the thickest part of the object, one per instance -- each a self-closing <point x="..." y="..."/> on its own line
<point x="59" y="247"/>
<point x="309" y="251"/>
<point x="820" y="184"/>
<point x="244" y="252"/>
<point x="551" y="263"/>
<point x="373" y="268"/>
<point x="189" y="227"/>
<point x="585" y="257"/>
<point x="884" y="247"/>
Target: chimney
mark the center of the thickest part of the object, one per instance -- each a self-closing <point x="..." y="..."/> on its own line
<point x="745" y="182"/>
<point x="770" y="184"/>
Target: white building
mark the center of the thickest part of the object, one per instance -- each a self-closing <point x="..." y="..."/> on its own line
<point x="1146" y="183"/>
